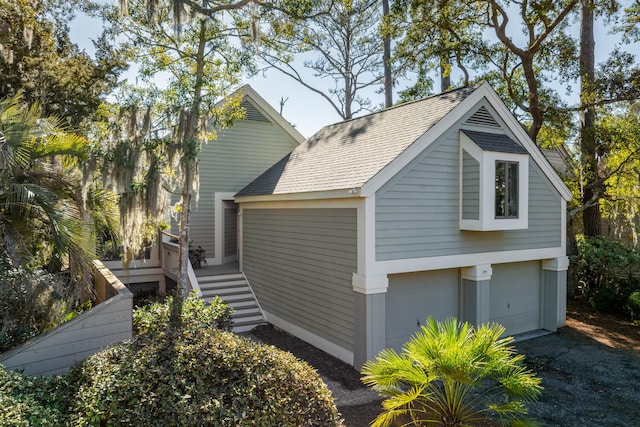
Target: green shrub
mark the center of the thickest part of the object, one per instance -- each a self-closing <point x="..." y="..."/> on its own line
<point x="194" y="377"/>
<point x="633" y="304"/>
<point x="607" y="271"/>
<point x="195" y="313"/>
<point x="31" y="302"/>
<point x="32" y="401"/>
<point x="452" y="374"/>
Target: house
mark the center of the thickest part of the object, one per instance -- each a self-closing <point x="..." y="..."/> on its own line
<point x="238" y="155"/>
<point x="439" y="207"/>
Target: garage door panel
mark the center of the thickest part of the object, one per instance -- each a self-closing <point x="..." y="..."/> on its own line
<point x="413" y="297"/>
<point x="515" y="296"/>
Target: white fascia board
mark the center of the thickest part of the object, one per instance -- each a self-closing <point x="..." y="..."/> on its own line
<point x="467" y="260"/>
<point x="424" y="141"/>
<point x="312" y="195"/>
<point x="355" y="202"/>
<point x="525" y="140"/>
<point x="272" y="113"/>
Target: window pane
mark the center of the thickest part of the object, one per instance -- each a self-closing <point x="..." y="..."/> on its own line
<point x="501" y="185"/>
<point x="506" y="189"/>
<point x="512" y="190"/>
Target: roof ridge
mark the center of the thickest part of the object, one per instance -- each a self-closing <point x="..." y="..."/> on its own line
<point x="404" y="104"/>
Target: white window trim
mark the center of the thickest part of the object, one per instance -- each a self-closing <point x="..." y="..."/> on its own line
<point x="487" y="220"/>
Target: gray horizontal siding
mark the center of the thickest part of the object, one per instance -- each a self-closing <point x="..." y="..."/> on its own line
<point x="239" y="155"/>
<point x="470" y="187"/>
<point x="417" y="211"/>
<point x="300" y="263"/>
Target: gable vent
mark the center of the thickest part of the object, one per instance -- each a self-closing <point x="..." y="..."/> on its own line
<point x="482" y="117"/>
<point x="252" y="113"/>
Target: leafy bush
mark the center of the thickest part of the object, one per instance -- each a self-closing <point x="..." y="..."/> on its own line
<point x="195" y="313"/>
<point x="198" y="376"/>
<point x="32" y="401"/>
<point x="634" y="305"/>
<point x="450" y="374"/>
<point x="31" y="302"/>
<point x="607" y="271"/>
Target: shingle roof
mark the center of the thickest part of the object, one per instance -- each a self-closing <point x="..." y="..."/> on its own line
<point x="348" y="154"/>
<point x="495" y="142"/>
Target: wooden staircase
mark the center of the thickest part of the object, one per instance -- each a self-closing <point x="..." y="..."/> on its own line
<point x="234" y="289"/>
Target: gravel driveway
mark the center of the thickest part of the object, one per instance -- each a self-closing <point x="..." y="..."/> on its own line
<point x="586" y="383"/>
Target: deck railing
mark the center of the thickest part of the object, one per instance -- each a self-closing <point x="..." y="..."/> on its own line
<point x="171" y="262"/>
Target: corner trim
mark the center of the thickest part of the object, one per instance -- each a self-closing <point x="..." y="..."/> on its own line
<point x="477" y="273"/>
<point x="556" y="264"/>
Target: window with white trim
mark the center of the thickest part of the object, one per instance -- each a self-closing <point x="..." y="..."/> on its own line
<point x="494" y="181"/>
<point x="506" y="197"/>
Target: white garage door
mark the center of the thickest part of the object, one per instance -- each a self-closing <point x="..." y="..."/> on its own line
<point x="412" y="297"/>
<point x="515" y="296"/>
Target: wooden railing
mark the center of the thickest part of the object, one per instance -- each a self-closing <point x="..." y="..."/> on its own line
<point x="171" y="262"/>
<point x="55" y="351"/>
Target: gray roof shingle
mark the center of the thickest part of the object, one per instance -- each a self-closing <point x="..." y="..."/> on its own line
<point x="346" y="155"/>
<point x="495" y="142"/>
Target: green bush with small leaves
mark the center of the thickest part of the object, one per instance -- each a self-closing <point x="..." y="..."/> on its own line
<point x="190" y="374"/>
<point x="196" y="376"/>
<point x="634" y="305"/>
<point x="607" y="271"/>
<point x="194" y="313"/>
<point x="33" y="401"/>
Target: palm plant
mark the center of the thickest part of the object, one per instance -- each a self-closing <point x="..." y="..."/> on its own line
<point x="44" y="216"/>
<point x="452" y="374"/>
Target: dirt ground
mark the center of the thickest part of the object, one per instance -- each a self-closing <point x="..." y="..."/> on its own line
<point x="590" y="371"/>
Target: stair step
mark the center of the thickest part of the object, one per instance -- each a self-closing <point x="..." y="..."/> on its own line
<point x="246" y="312"/>
<point x="230" y="299"/>
<point x="242" y="304"/>
<point x="221" y="277"/>
<point x="257" y="320"/>
<point x="229" y="291"/>
<point x="222" y="285"/>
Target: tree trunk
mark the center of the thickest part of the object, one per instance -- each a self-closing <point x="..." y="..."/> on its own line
<point x="189" y="162"/>
<point x="591" y="215"/>
<point x="386" y="57"/>
<point x="537" y="116"/>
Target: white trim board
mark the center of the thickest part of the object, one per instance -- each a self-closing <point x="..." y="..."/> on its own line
<point x="466" y="260"/>
<point x="313" y="339"/>
<point x="219" y="198"/>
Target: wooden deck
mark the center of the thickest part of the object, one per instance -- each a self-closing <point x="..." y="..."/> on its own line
<point x="217" y="270"/>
